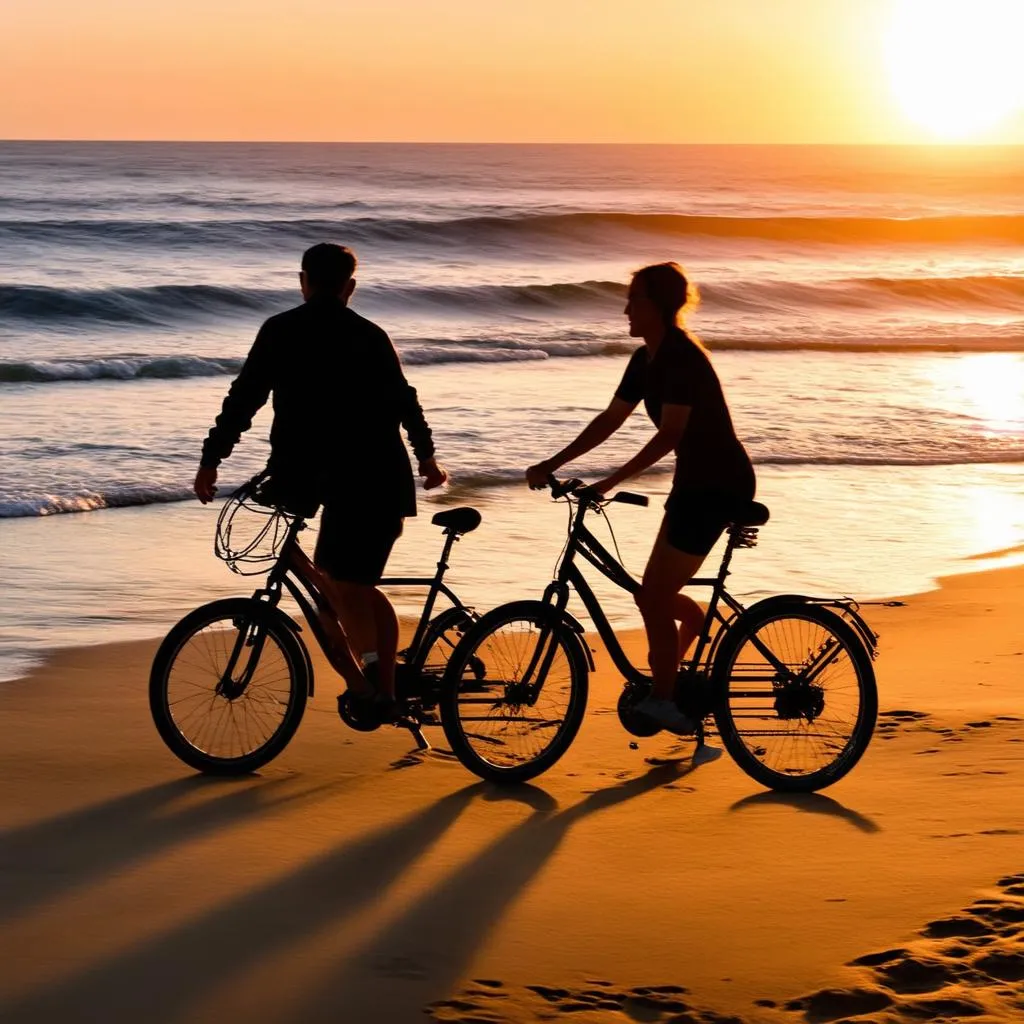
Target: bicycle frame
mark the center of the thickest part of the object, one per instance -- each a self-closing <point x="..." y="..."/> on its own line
<point x="311" y="601"/>
<point x="583" y="542"/>
<point x="569" y="575"/>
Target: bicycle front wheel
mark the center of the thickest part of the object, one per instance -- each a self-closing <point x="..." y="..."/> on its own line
<point x="228" y="687"/>
<point x="515" y="693"/>
<point x="797" y="696"/>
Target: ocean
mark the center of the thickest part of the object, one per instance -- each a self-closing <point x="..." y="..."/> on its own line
<point x="863" y="307"/>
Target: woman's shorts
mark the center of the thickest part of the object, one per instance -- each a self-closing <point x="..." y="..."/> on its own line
<point x="696" y="518"/>
<point x="355" y="542"/>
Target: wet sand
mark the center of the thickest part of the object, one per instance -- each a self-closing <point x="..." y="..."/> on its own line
<point x="351" y="882"/>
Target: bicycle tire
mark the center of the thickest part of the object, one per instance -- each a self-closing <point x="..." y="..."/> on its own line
<point x="749" y="690"/>
<point x="503" y="643"/>
<point x="281" y="708"/>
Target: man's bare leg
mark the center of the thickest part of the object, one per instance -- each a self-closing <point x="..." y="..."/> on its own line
<point x="341" y="654"/>
<point x="370" y="620"/>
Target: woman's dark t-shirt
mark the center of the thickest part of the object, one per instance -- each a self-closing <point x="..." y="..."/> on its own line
<point x="709" y="456"/>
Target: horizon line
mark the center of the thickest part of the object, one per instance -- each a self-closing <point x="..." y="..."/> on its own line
<point x="932" y="144"/>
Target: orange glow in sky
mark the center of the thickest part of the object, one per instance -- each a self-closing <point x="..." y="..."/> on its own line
<point x="467" y="70"/>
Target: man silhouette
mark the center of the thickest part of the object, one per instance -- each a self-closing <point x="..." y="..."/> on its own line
<point x="340" y="397"/>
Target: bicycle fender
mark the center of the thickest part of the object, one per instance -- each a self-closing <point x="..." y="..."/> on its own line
<point x="578" y="632"/>
<point x="845" y="607"/>
<point x="564" y="618"/>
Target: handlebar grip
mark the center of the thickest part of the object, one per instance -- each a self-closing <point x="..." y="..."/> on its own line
<point x="561" y="489"/>
<point x="628" y="498"/>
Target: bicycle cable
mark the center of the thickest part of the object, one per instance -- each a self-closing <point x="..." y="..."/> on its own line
<point x="568" y="535"/>
<point x="611" y="530"/>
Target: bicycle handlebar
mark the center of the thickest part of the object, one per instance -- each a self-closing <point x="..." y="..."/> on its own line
<point x="578" y="489"/>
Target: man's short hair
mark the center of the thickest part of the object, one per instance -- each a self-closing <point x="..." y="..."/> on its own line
<point x="328" y="266"/>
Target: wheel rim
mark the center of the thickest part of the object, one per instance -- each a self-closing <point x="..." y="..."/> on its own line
<point x="796" y="704"/>
<point x="498" y="721"/>
<point x="219" y="727"/>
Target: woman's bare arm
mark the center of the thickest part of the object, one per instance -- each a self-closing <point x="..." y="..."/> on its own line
<point x="596" y="432"/>
<point x="671" y="427"/>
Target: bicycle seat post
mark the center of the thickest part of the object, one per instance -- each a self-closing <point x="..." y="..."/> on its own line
<point x="451" y="536"/>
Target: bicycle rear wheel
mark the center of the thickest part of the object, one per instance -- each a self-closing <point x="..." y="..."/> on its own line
<point x="441" y="638"/>
<point x="419" y="673"/>
<point x="515" y="693"/>
<point x="228" y="687"/>
<point x="797" y="700"/>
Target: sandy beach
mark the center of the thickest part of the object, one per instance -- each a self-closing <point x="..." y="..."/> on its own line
<point x="350" y="881"/>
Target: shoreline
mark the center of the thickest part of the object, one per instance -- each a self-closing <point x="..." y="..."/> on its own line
<point x="861" y="531"/>
<point x="1015" y="553"/>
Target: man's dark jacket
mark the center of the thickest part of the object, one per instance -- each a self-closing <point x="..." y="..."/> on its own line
<point x="339" y="399"/>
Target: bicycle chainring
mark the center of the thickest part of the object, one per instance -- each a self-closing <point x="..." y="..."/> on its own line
<point x="636" y="725"/>
<point x="360" y="715"/>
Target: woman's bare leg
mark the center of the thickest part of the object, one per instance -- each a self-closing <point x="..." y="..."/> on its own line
<point x="690" y="617"/>
<point x="661" y="605"/>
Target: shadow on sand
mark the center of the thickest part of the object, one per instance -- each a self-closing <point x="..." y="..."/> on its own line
<point x="416" y="958"/>
<point x="42" y="861"/>
<point x="812" y="803"/>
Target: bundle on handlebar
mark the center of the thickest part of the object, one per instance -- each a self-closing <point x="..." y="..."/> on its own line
<point x="579" y="490"/>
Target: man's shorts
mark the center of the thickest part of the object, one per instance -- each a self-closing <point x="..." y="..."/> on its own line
<point x="355" y="542"/>
<point x="698" y="517"/>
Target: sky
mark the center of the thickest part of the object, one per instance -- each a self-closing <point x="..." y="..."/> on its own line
<point x="732" y="71"/>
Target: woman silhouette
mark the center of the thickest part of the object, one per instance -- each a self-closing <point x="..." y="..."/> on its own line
<point x="672" y="373"/>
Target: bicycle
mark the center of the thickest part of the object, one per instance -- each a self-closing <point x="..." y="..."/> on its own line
<point x="788" y="682"/>
<point x="230" y="681"/>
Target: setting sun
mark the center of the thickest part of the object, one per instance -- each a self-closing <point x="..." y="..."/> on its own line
<point x="955" y="65"/>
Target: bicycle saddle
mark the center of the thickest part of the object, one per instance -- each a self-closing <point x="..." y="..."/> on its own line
<point x="751" y="513"/>
<point x="458" y="520"/>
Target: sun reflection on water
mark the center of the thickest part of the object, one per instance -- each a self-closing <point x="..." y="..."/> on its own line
<point x="990" y="385"/>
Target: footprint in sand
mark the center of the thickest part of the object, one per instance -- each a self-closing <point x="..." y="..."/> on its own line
<point x="969" y="965"/>
<point x="965" y="966"/>
<point x="891" y="723"/>
<point x="600" y="1001"/>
